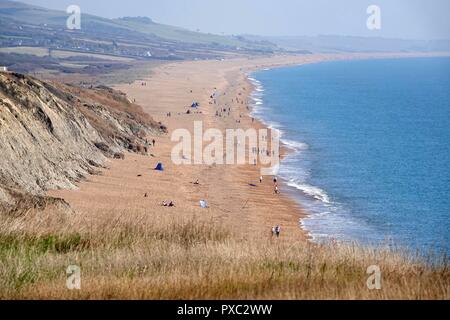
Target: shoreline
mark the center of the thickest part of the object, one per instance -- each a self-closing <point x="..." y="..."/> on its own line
<point x="286" y="149"/>
<point x="138" y="249"/>
<point x="171" y="88"/>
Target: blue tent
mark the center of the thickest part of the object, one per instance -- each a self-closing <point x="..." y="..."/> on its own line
<point x="195" y="105"/>
<point x="159" y="167"/>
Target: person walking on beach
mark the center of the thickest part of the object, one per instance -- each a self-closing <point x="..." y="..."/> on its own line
<point x="276" y="189"/>
<point x="278" y="231"/>
<point x="260" y="179"/>
<point x="153" y="141"/>
<point x="273" y="231"/>
<point x="275" y="180"/>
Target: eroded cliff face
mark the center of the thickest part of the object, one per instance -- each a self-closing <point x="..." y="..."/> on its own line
<point x="53" y="135"/>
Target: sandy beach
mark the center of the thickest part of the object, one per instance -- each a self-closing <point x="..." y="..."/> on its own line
<point x="129" y="246"/>
<point x="220" y="151"/>
<point x="248" y="210"/>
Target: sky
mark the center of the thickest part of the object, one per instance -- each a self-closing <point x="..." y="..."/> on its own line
<point x="407" y="19"/>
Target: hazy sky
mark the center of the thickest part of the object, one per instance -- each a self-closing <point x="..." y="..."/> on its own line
<point x="412" y="19"/>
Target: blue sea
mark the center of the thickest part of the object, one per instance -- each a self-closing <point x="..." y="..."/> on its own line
<point x="370" y="143"/>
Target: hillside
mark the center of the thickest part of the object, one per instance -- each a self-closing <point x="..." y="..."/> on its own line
<point x="336" y="43"/>
<point x="53" y="135"/>
<point x="26" y="25"/>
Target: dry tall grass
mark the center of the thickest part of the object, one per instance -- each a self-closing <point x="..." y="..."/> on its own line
<point x="143" y="256"/>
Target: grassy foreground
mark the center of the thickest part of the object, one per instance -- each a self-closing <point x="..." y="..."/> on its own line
<point x="144" y="256"/>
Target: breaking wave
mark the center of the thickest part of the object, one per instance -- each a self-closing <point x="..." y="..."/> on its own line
<point x="311" y="191"/>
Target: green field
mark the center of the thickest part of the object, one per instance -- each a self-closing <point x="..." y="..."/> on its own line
<point x="36" y="51"/>
<point x="61" y="54"/>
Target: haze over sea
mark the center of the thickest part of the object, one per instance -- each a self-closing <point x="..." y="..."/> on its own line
<point x="371" y="141"/>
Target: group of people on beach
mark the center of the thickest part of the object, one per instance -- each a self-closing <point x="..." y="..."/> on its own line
<point x="153" y="142"/>
<point x="222" y="112"/>
<point x="256" y="150"/>
<point x="276" y="231"/>
<point x="168" y="204"/>
<point x="275" y="183"/>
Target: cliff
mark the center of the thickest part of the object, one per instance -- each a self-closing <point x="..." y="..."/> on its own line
<point x="52" y="135"/>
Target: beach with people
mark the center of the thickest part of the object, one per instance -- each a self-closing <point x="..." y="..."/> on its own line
<point x="236" y="194"/>
<point x="233" y="201"/>
<point x="177" y="151"/>
<point x="159" y="224"/>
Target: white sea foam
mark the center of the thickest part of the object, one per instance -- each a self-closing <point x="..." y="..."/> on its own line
<point x="255" y="82"/>
<point x="296" y="177"/>
<point x="295" y="145"/>
<point x="311" y="191"/>
<point x="257" y="101"/>
<point x="326" y="218"/>
<point x="274" y="126"/>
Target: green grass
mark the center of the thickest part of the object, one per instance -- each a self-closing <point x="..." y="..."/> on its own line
<point x="59" y="244"/>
